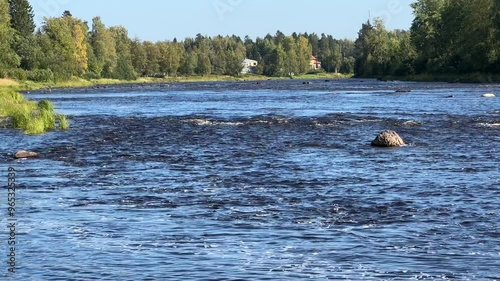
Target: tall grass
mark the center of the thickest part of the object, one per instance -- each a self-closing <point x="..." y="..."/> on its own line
<point x="32" y="118"/>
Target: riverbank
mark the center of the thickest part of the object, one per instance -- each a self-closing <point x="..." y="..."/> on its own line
<point x="450" y="78"/>
<point x="80" y="83"/>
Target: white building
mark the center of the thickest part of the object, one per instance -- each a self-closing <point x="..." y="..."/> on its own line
<point x="248" y="66"/>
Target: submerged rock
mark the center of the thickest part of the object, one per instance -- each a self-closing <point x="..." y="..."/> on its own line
<point x="23" y="154"/>
<point x="489" y="95"/>
<point x="388" y="139"/>
<point x="6" y="122"/>
<point x="403" y="91"/>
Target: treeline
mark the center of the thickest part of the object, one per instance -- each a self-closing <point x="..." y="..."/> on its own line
<point x="280" y="55"/>
<point x="446" y="37"/>
<point x="65" y="47"/>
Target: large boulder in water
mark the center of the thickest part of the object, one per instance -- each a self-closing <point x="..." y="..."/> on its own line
<point x="23" y="154"/>
<point x="388" y="139"/>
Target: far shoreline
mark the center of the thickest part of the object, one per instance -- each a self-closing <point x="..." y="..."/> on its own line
<point x="26" y="86"/>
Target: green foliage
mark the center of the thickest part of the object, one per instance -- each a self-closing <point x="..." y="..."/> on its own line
<point x="446" y="37"/>
<point x="124" y="69"/>
<point x="62" y="122"/>
<point x="64" y="46"/>
<point x="103" y="47"/>
<point x="460" y="37"/>
<point x="22" y="15"/>
<point x="91" y="75"/>
<point x="46" y="105"/>
<point x="8" y="58"/>
<point x="17" y="74"/>
<point x="41" y="75"/>
<point x="28" y="116"/>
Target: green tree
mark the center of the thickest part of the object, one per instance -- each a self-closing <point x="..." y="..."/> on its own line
<point x="22" y="15"/>
<point x="64" y="46"/>
<point x="204" y="65"/>
<point x="304" y="53"/>
<point x="373" y="50"/>
<point x="124" y="69"/>
<point x="426" y="34"/>
<point x="8" y="58"/>
<point x="171" y="57"/>
<point x="104" y="49"/>
<point x="139" y="56"/>
<point x="153" y="56"/>
<point x="189" y="63"/>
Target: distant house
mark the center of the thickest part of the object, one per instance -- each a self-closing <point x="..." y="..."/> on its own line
<point x="249" y="66"/>
<point x="315" y="63"/>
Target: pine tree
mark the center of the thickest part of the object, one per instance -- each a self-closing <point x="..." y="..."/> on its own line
<point x="21" y="14"/>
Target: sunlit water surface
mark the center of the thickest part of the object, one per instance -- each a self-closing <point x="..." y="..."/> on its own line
<point x="260" y="181"/>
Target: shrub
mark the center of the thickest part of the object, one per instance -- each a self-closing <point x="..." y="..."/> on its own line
<point x="41" y="75"/>
<point x="17" y="74"/>
<point x="91" y="75"/>
<point x="62" y="121"/>
<point x="29" y="116"/>
<point x="3" y="74"/>
<point x="46" y="105"/>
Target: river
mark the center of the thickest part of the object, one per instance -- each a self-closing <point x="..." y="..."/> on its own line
<point x="271" y="180"/>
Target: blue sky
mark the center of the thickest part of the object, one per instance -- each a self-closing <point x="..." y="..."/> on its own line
<point x="165" y="19"/>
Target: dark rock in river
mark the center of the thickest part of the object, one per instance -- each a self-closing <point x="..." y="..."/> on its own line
<point x="22" y="154"/>
<point x="388" y="139"/>
<point x="403" y="91"/>
<point x="6" y="122"/>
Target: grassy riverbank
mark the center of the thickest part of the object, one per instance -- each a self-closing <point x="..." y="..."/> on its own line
<point x="79" y="82"/>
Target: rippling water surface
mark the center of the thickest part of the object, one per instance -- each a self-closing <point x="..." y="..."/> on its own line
<point x="261" y="181"/>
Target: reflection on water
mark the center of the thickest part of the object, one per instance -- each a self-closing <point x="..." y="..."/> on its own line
<point x="268" y="181"/>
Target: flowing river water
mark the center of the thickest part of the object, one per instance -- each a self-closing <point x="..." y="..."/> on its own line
<point x="271" y="180"/>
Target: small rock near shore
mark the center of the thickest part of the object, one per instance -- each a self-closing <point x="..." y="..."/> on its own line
<point x="23" y="154"/>
<point x="489" y="95"/>
<point x="388" y="139"/>
<point x="6" y="122"/>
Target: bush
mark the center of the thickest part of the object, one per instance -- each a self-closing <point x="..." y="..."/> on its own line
<point x="3" y="74"/>
<point x="29" y="116"/>
<point x="63" y="122"/>
<point x="17" y="74"/>
<point x="46" y="105"/>
<point x="41" y="75"/>
<point x="91" y="75"/>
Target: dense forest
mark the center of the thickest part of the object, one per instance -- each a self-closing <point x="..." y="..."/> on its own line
<point x="447" y="36"/>
<point x="65" y="47"/>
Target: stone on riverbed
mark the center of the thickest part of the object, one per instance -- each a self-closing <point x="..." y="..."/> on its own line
<point x="23" y="154"/>
<point x="388" y="139"/>
<point x="6" y="122"/>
